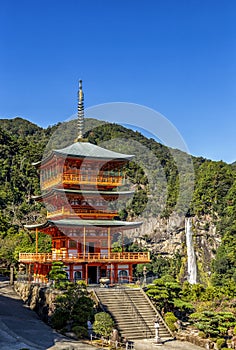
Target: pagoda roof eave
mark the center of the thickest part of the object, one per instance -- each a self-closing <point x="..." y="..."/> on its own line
<point x="82" y="192"/>
<point x="87" y="223"/>
<point x="85" y="150"/>
<point x="34" y="226"/>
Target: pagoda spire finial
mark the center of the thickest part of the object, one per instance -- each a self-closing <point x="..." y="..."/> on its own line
<point x="80" y="112"/>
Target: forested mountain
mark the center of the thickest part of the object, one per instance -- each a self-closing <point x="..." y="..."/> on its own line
<point x="20" y="127"/>
<point x="169" y="186"/>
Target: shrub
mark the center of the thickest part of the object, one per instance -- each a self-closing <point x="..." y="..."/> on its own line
<point x="83" y="310"/>
<point x="103" y="324"/>
<point x="59" y="318"/>
<point x="220" y="343"/>
<point x="170" y="320"/>
<point x="183" y="305"/>
<point x="72" y="305"/>
<point x="80" y="331"/>
<point x="213" y="324"/>
<point x="58" y="275"/>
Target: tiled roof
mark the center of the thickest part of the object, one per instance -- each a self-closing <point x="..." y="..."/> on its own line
<point x="87" y="149"/>
<point x="81" y="222"/>
<point x="83" y="192"/>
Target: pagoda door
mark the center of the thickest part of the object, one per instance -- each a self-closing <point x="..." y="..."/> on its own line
<point x="92" y="274"/>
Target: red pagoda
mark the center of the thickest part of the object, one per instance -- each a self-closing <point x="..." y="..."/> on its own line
<point x="78" y="183"/>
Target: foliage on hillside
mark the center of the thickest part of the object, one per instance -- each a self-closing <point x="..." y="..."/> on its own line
<point x="162" y="179"/>
<point x="18" y="182"/>
<point x="209" y="309"/>
<point x="20" y="127"/>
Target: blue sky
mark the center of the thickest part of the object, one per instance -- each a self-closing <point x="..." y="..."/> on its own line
<point x="177" y="57"/>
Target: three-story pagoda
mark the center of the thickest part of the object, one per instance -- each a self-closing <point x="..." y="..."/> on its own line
<point x="78" y="183"/>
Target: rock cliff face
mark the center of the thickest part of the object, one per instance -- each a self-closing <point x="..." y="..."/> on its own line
<point x="167" y="237"/>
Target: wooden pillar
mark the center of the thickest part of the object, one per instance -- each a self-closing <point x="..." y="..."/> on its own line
<point x="36" y="239"/>
<point x="47" y="269"/>
<point x="39" y="272"/>
<point x="84" y="242"/>
<point x="122" y="246"/>
<point x="130" y="273"/>
<point x="71" y="270"/>
<point x="109" y="242"/>
<point x="29" y="273"/>
<point x="112" y="274"/>
<point x="35" y="269"/>
<point x="44" y="272"/>
<point x="98" y="273"/>
<point x="83" y="271"/>
<point x="86" y="273"/>
<point x="115" y="273"/>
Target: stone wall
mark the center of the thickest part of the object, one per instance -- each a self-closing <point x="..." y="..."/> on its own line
<point x="40" y="299"/>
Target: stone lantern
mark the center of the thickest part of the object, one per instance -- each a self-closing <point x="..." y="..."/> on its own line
<point x="157" y="327"/>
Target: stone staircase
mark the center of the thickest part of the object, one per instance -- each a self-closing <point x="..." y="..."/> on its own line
<point x="132" y="312"/>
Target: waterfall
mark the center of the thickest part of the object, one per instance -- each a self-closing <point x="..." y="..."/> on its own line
<point x="192" y="265"/>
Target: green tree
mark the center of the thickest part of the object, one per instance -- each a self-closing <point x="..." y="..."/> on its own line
<point x="103" y="324"/>
<point x="163" y="291"/>
<point x="213" y="324"/>
<point x="224" y="264"/>
<point x="73" y="306"/>
<point x="58" y="274"/>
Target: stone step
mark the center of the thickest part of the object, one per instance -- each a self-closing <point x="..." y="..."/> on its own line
<point x="123" y="307"/>
<point x="120" y="303"/>
<point x="126" y="327"/>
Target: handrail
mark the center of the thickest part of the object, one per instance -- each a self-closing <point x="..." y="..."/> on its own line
<point x="92" y="178"/>
<point x="97" y="300"/>
<point x="45" y="183"/>
<point x="132" y="308"/>
<point x="156" y="311"/>
<point x="64" y="256"/>
<point x="71" y="211"/>
<point x="82" y="178"/>
<point x="138" y="314"/>
<point x="91" y="175"/>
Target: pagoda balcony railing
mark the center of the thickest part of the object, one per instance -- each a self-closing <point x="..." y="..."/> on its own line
<point x="75" y="179"/>
<point x="80" y="212"/>
<point x="136" y="257"/>
<point x="50" y="182"/>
